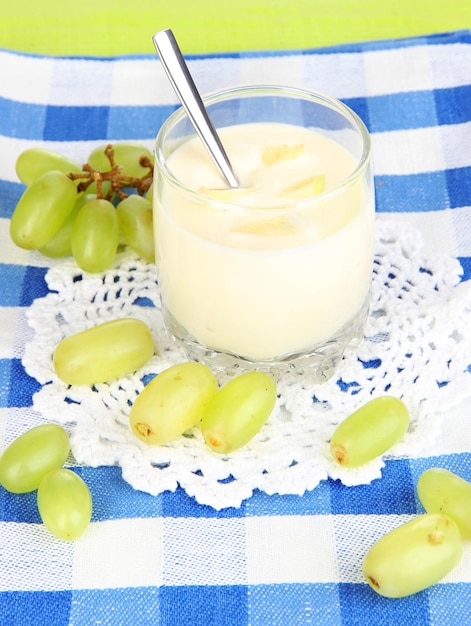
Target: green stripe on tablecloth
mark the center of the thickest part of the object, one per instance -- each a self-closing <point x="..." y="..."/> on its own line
<point x="114" y="27"/>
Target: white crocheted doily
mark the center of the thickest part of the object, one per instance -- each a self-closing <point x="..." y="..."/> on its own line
<point x="417" y="347"/>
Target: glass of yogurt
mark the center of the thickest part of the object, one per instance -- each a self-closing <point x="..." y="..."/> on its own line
<point x="274" y="275"/>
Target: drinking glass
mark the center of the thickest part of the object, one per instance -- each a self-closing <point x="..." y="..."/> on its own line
<point x="274" y="275"/>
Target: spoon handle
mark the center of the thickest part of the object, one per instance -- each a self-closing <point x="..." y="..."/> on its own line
<point x="182" y="82"/>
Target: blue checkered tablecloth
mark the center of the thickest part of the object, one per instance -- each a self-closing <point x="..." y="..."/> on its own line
<point x="277" y="560"/>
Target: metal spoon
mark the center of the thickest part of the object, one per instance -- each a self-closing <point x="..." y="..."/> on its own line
<point x="185" y="88"/>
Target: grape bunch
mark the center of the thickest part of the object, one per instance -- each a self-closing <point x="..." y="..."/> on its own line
<point x="86" y="212"/>
<point x="187" y="394"/>
<point x="179" y="398"/>
<point x="34" y="461"/>
<point x="419" y="553"/>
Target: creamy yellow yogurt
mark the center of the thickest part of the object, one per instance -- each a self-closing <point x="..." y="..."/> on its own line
<point x="257" y="271"/>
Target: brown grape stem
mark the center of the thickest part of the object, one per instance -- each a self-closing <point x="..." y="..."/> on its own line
<point x="339" y="453"/>
<point x="115" y="176"/>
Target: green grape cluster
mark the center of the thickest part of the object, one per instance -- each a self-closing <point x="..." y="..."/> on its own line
<point x="178" y="398"/>
<point x="86" y="212"/>
<point x="187" y="394"/>
<point x="34" y="461"/>
<point x="421" y="552"/>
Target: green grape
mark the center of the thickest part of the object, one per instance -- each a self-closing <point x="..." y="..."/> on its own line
<point x="172" y="402"/>
<point x="61" y="245"/>
<point x="441" y="491"/>
<point x="34" y="162"/>
<point x="31" y="456"/>
<point x="238" y="411"/>
<point x="104" y="352"/>
<point x="135" y="222"/>
<point x="413" y="556"/>
<point x="64" y="504"/>
<point x="42" y="210"/>
<point x="370" y="431"/>
<point x="95" y="236"/>
<point x="126" y="155"/>
<point x="150" y="193"/>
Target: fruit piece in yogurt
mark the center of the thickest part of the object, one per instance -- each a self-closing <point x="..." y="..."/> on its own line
<point x="273" y="227"/>
<point x="275" y="154"/>
<point x="311" y="186"/>
<point x="227" y="194"/>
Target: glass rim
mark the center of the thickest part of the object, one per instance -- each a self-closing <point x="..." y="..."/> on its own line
<point x="280" y="90"/>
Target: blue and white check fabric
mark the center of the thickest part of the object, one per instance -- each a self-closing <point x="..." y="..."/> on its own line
<point x="277" y="560"/>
